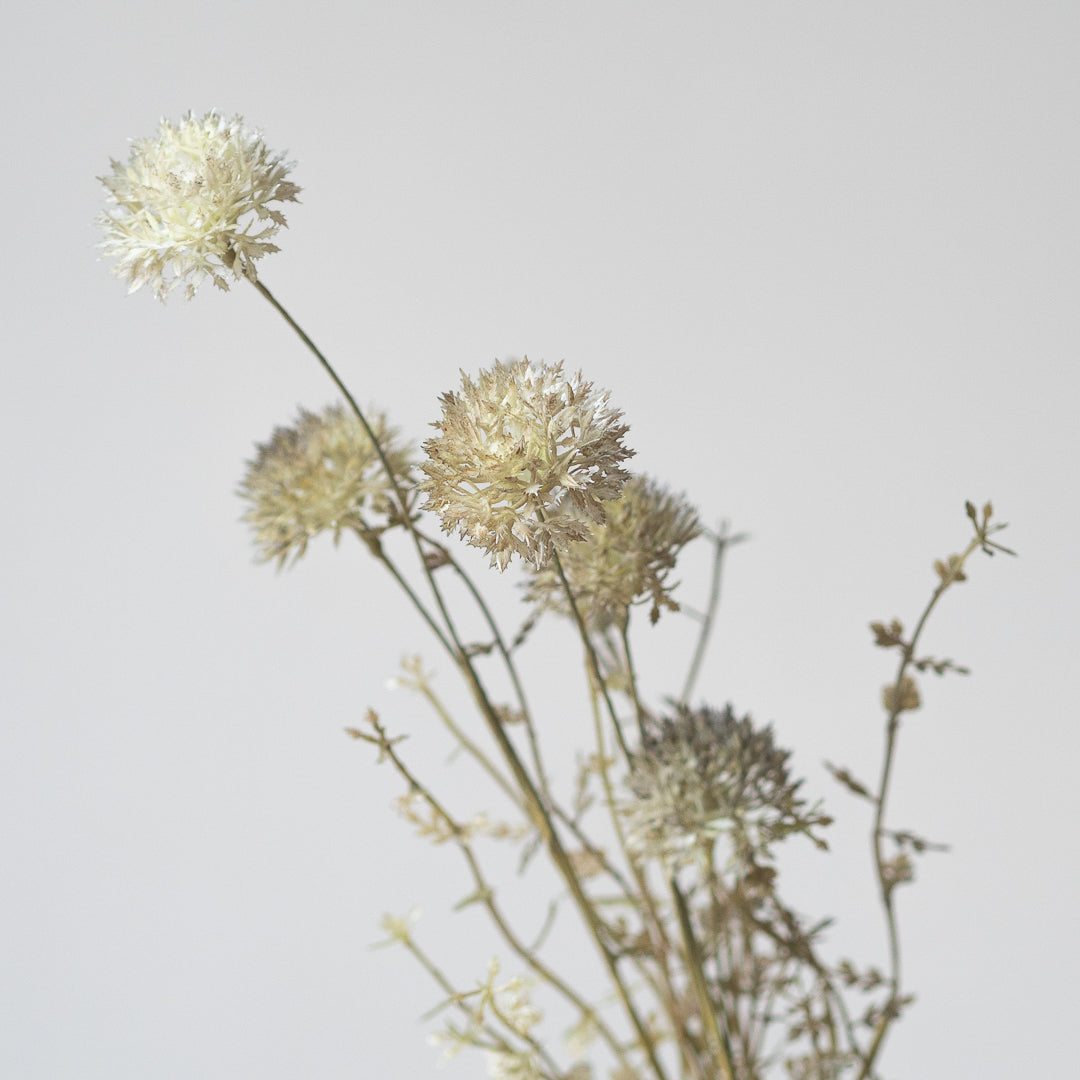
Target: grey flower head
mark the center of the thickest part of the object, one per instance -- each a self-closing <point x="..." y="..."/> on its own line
<point x="704" y="772"/>
<point x="193" y="202"/>
<point x="625" y="560"/>
<point x="525" y="459"/>
<point x="323" y="474"/>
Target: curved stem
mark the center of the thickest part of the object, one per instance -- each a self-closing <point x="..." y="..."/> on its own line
<point x="533" y="801"/>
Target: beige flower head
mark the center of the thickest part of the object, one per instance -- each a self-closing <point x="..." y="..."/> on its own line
<point x="704" y="772"/>
<point x="625" y="560"/>
<point x="323" y="474"/>
<point x="525" y="459"/>
<point x="194" y="202"/>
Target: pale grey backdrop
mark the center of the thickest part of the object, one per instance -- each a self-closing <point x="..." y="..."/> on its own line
<point x="825" y="257"/>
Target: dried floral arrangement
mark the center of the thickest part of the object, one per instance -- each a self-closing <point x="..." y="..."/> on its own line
<point x="666" y="847"/>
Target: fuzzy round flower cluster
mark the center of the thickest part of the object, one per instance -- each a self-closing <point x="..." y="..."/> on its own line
<point x="193" y="202"/>
<point x="323" y="474"/>
<point x="525" y="459"/>
<point x="705" y="772"/>
<point x="626" y="559"/>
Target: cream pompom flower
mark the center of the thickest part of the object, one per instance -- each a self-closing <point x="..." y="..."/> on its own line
<point x="192" y="202"/>
<point x="524" y="461"/>
<point x="323" y="474"/>
<point x="625" y="560"/>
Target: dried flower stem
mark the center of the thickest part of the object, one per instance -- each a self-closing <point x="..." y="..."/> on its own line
<point x="949" y="573"/>
<point x="892" y="727"/>
<point x="380" y="553"/>
<point x="715" y="1037"/>
<point x="487" y="895"/>
<point x="533" y="801"/>
<point x="590" y="652"/>
<point x="721" y="542"/>
<point x="508" y="662"/>
<point x="654" y="921"/>
<point x="499" y="1041"/>
<point x="631" y="674"/>
<point x="425" y="689"/>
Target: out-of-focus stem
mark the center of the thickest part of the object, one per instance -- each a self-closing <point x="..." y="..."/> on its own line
<point x="721" y="542"/>
<point x="474" y="751"/>
<point x="498" y="1041"/>
<point x="486" y="893"/>
<point x="716" y="1038"/>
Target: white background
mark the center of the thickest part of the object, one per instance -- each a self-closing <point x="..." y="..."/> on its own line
<point x="825" y="258"/>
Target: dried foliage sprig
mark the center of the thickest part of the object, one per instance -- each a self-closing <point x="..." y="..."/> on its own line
<point x="665" y="849"/>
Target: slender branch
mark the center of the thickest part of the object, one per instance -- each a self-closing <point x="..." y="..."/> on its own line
<point x="508" y="661"/>
<point x="486" y="893"/>
<point x="954" y="572"/>
<point x="424" y="688"/>
<point x="590" y="652"/>
<point x="716" y="1038"/>
<point x="376" y="548"/>
<point x="631" y="674"/>
<point x="533" y="800"/>
<point x="499" y="1041"/>
<point x="721" y="541"/>
<point x="653" y="920"/>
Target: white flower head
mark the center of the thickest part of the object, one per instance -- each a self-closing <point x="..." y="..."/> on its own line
<point x="525" y="460"/>
<point x="193" y="202"/>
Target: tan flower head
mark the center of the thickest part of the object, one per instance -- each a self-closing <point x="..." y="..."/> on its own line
<point x="193" y="202"/>
<point x="704" y="772"/>
<point x="323" y="474"/>
<point x="524" y="461"/>
<point x="626" y="559"/>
